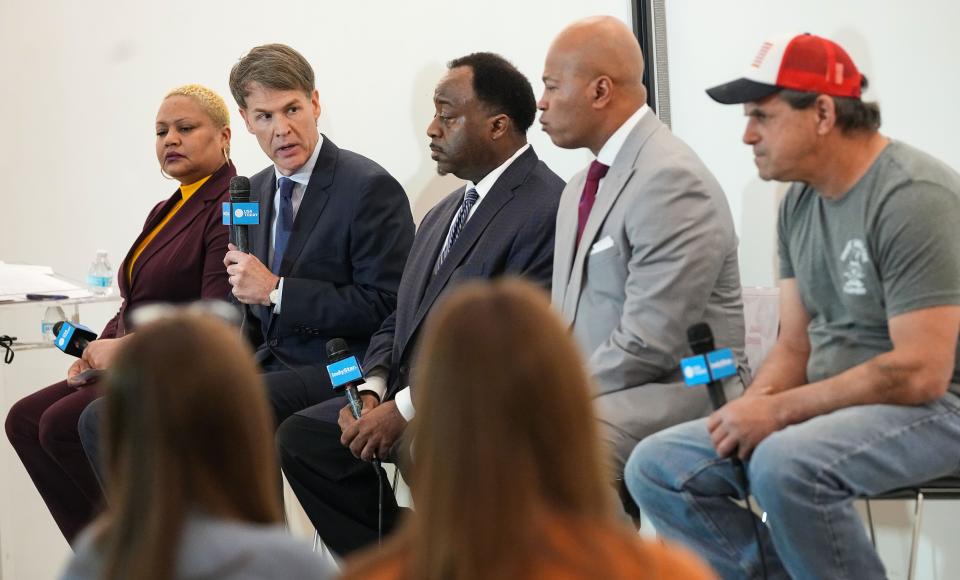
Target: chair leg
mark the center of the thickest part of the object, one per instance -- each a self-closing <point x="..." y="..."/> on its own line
<point x="873" y="533"/>
<point x="918" y="515"/>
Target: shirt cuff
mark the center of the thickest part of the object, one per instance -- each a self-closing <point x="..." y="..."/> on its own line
<point x="405" y="404"/>
<point x="375" y="382"/>
<point x="276" y="307"/>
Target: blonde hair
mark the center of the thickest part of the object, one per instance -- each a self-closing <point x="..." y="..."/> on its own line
<point x="211" y="103"/>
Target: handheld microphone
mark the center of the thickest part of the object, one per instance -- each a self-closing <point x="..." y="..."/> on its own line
<point x="239" y="230"/>
<point x="709" y="366"/>
<point x="700" y="338"/>
<point x="345" y="373"/>
<point x="72" y="338"/>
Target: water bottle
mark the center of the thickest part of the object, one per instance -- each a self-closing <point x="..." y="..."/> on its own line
<point x="100" y="276"/>
<point x="51" y="316"/>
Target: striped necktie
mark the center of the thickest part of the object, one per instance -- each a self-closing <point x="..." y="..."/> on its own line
<point x="469" y="200"/>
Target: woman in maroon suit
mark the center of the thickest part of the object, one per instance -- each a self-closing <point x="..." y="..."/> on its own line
<point x="177" y="258"/>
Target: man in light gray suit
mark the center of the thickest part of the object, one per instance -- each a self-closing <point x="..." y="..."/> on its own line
<point x="645" y="245"/>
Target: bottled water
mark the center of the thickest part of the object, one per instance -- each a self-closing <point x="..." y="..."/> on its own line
<point x="100" y="276"/>
<point x="51" y="316"/>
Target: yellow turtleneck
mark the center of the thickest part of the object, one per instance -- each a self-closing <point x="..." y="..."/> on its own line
<point x="185" y="192"/>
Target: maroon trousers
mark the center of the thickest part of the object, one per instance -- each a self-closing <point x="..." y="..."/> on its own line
<point x="42" y="428"/>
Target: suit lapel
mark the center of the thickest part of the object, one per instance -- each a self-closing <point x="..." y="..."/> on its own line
<point x="498" y="196"/>
<point x="314" y="200"/>
<point x="433" y="243"/>
<point x="190" y="211"/>
<point x="148" y="227"/>
<point x="613" y="186"/>
<point x="566" y="237"/>
<point x="427" y="246"/>
<point x="261" y="240"/>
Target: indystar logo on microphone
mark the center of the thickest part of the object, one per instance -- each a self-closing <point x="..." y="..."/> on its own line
<point x="344" y="371"/>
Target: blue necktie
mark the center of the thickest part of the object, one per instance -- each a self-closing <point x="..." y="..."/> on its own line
<point x="284" y="223"/>
<point x="469" y="199"/>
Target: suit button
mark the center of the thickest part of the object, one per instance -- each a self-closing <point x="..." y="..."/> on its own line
<point x="274" y="342"/>
<point x="403" y="369"/>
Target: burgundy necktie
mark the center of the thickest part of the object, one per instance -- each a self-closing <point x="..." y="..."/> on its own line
<point x="594" y="175"/>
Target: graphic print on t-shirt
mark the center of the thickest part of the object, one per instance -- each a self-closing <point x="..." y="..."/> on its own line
<point x="854" y="258"/>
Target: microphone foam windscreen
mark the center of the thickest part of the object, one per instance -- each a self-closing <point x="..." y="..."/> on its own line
<point x="336" y="346"/>
<point x="700" y="337"/>
<point x="239" y="188"/>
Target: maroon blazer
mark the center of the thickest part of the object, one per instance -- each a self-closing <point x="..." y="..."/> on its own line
<point x="184" y="262"/>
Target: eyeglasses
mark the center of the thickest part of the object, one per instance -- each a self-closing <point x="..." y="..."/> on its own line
<point x="150" y="313"/>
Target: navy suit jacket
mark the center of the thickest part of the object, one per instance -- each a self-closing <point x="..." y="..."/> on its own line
<point x="343" y="262"/>
<point x="511" y="232"/>
<point x="184" y="262"/>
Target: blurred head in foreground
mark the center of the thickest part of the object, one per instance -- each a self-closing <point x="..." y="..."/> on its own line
<point x="187" y="428"/>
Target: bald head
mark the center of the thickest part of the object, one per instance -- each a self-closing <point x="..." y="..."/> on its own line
<point x="602" y="46"/>
<point x="594" y="82"/>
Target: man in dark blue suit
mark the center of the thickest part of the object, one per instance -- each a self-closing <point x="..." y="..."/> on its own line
<point x="500" y="223"/>
<point x="334" y="234"/>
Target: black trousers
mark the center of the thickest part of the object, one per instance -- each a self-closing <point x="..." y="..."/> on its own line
<point x="338" y="491"/>
<point x="292" y="390"/>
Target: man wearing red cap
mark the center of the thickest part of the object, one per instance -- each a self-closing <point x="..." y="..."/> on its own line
<point x="861" y="394"/>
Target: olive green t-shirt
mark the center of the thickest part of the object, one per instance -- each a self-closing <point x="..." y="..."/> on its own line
<point x="890" y="245"/>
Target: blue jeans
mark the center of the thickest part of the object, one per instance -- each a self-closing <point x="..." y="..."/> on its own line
<point x="805" y="477"/>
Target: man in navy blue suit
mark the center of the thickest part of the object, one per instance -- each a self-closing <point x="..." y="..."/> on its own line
<point x="501" y="222"/>
<point x="335" y="232"/>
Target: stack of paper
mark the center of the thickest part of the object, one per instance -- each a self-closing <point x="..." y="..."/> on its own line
<point x="18" y="280"/>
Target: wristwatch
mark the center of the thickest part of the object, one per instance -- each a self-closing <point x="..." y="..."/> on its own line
<point x="274" y="296"/>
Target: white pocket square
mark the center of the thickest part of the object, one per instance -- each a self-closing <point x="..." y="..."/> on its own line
<point x="604" y="244"/>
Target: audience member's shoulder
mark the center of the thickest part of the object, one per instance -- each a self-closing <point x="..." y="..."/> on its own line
<point x="240" y="551"/>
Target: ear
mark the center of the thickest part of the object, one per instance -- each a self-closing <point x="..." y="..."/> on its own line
<point x="499" y="125"/>
<point x="601" y="91"/>
<point x="315" y="103"/>
<point x="225" y="136"/>
<point x="825" y="109"/>
<point x="246" y="120"/>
